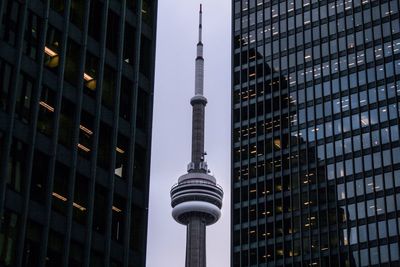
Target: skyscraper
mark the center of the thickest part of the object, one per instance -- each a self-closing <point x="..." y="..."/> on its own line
<point x="315" y="133"/>
<point x="76" y="92"/>
<point x="197" y="199"/>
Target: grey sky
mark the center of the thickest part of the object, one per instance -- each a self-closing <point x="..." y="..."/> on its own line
<point x="174" y="86"/>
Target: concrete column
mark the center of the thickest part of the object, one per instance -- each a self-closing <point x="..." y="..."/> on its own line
<point x="196" y="242"/>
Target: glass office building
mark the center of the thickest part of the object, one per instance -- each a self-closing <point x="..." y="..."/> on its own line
<point x="76" y="93"/>
<point x="315" y="133"/>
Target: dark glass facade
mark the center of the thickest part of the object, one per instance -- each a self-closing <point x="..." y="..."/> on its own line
<point x="76" y="97"/>
<point x="315" y="133"/>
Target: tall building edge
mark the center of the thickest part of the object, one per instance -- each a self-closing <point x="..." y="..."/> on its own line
<point x="149" y="138"/>
<point x="76" y="107"/>
<point x="232" y="125"/>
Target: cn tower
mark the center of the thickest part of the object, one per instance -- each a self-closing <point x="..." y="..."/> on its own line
<point x="197" y="199"/>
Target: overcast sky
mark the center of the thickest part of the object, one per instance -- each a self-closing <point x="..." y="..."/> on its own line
<point x="174" y="86"/>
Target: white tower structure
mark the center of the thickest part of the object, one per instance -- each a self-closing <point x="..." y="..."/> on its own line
<point x="197" y="199"/>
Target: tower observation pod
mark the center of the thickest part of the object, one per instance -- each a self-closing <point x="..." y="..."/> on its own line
<point x="196" y="199"/>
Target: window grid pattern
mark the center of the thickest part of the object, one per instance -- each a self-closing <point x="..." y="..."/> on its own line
<point x="76" y="83"/>
<point x="315" y="133"/>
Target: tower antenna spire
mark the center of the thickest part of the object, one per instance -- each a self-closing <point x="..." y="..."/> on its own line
<point x="199" y="71"/>
<point x="200" y="23"/>
<point x="199" y="103"/>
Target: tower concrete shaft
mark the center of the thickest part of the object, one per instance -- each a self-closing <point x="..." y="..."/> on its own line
<point x="196" y="241"/>
<point x="197" y="199"/>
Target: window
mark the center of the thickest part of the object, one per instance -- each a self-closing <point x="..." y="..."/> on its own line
<point x="357" y="165"/>
<point x="351" y="212"/>
<point x="339" y="169"/>
<point x="60" y="188"/>
<point x="382" y="229"/>
<point x="395" y="153"/>
<point x="32" y="243"/>
<point x="17" y="165"/>
<point x="66" y="123"/>
<point x="24" y="97"/>
<point x="386" y="157"/>
<point x="100" y="209"/>
<point x="146" y="54"/>
<point x="6" y="78"/>
<point x="378" y="186"/>
<point x="72" y="63"/>
<point x="338" y="148"/>
<point x="39" y="176"/>
<point x="142" y="110"/>
<point x="85" y="134"/>
<point x="310" y="113"/>
<point x="109" y="87"/>
<point x="394" y="133"/>
<point x="362" y="233"/>
<point x="90" y="75"/>
<point x="395" y="26"/>
<point x="392" y="227"/>
<point x="76" y="254"/>
<point x="359" y="188"/>
<point x="367" y="162"/>
<point x="121" y="156"/>
<point x="57" y="5"/>
<point x="375" y="138"/>
<point x="385" y="135"/>
<point x="118" y="215"/>
<point x="32" y="34"/>
<point x="52" y="48"/>
<point x="8" y="237"/>
<point x="46" y="111"/>
<point x="355" y="120"/>
<point x="383" y="114"/>
<point x="336" y="106"/>
<point x="139" y="163"/>
<point x="374" y="256"/>
<point x="104" y="148"/>
<point x="372" y="231"/>
<point x="350" y="189"/>
<point x="388" y="180"/>
<point x="112" y="31"/>
<point x="394" y="252"/>
<point x="347" y="145"/>
<point x="96" y="8"/>
<point x="12" y="13"/>
<point x="330" y="171"/>
<point x="365" y="120"/>
<point x="126" y="99"/>
<point x="129" y="45"/>
<point x="81" y="195"/>
<point x="337" y="126"/>
<point x="77" y="12"/>
<point x="138" y="228"/>
<point x="329" y="150"/>
<point x="341" y="194"/>
<point x="392" y="111"/>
